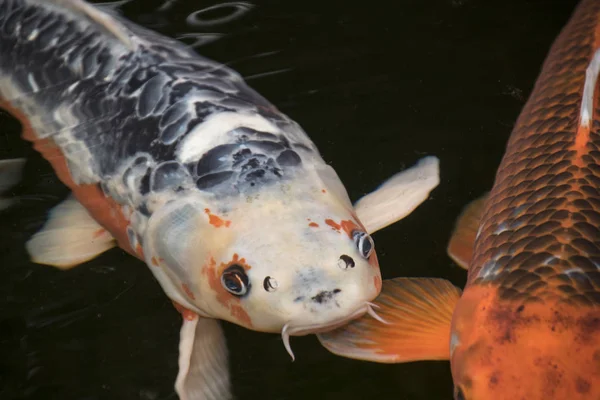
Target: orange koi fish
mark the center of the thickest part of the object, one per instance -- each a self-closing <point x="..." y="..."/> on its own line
<point x="527" y="326"/>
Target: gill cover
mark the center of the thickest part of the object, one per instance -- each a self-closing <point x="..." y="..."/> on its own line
<point x="178" y="242"/>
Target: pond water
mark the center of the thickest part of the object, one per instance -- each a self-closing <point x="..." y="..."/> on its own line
<point x="376" y="86"/>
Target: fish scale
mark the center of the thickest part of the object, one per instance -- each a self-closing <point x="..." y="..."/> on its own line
<point x="141" y="103"/>
<point x="527" y="325"/>
<point x="543" y="171"/>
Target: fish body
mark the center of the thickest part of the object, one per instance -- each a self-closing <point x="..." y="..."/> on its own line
<point x="527" y="325"/>
<point x="532" y="301"/>
<point x="172" y="157"/>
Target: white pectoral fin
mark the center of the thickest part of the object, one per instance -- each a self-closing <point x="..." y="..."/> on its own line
<point x="203" y="363"/>
<point x="10" y="174"/>
<point x="399" y="195"/>
<point x="69" y="237"/>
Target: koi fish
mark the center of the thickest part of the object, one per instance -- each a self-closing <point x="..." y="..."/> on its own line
<point x="527" y="325"/>
<point x="173" y="158"/>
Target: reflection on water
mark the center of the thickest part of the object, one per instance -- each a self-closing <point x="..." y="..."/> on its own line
<point x="376" y="87"/>
<point x="218" y="14"/>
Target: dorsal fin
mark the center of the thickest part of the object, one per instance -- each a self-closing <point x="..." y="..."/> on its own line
<point x="462" y="243"/>
<point x="103" y="19"/>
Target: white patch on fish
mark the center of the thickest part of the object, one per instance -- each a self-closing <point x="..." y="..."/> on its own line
<point x="587" y="100"/>
<point x="454" y="343"/>
<point x="212" y="132"/>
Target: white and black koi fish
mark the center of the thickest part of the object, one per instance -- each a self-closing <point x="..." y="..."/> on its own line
<point x="173" y="158"/>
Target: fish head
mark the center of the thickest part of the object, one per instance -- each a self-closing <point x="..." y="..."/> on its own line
<point x="285" y="260"/>
<point x="507" y="348"/>
<point x="307" y="266"/>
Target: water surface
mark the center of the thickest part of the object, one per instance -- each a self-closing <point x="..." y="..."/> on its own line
<point x="376" y="85"/>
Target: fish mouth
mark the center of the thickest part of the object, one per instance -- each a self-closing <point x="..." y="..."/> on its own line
<point x="290" y="330"/>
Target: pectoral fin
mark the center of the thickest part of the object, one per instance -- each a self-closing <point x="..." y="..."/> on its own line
<point x="418" y="312"/>
<point x="69" y="237"/>
<point x="203" y="365"/>
<point x="399" y="195"/>
<point x="462" y="242"/>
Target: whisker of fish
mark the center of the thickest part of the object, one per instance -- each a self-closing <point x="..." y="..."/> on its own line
<point x="286" y="340"/>
<point x="369" y="308"/>
<point x="373" y="314"/>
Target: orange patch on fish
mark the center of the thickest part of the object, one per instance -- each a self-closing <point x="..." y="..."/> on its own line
<point x="233" y="303"/>
<point x="105" y="210"/>
<point x="216" y="221"/>
<point x="373" y="260"/>
<point x="323" y="190"/>
<point x="99" y="233"/>
<point x="553" y="341"/>
<point x="335" y="226"/>
<point x="187" y="314"/>
<point x="377" y="283"/>
<point x="188" y="291"/>
<point x="237" y="311"/>
<point x="313" y="225"/>
<point x="347" y="226"/>
<point x="154" y="261"/>
<point x="140" y="251"/>
<point x="582" y="138"/>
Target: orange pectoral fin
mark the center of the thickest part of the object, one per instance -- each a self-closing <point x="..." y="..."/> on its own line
<point x="418" y="312"/>
<point x="462" y="242"/>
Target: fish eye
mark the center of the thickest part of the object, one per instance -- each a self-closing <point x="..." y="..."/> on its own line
<point x="270" y="284"/>
<point x="345" y="262"/>
<point x="235" y="280"/>
<point x="459" y="394"/>
<point x="363" y="243"/>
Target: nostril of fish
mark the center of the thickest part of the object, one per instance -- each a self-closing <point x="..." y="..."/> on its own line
<point x="325" y="296"/>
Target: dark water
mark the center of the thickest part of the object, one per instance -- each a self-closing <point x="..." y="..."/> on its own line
<point x="377" y="86"/>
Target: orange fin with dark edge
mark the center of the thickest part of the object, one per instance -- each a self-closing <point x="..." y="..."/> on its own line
<point x="462" y="242"/>
<point x="418" y="312"/>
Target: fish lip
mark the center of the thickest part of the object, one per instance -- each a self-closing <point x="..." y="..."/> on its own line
<point x="329" y="326"/>
<point x="288" y="330"/>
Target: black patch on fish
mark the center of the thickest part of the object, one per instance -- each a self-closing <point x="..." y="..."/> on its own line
<point x="215" y="159"/>
<point x="167" y="175"/>
<point x="211" y="180"/>
<point x="139" y="78"/>
<point x="126" y="102"/>
<point x="143" y="208"/>
<point x="145" y="183"/>
<point x="181" y="90"/>
<point x="289" y="158"/>
<point x="265" y="145"/>
<point x="325" y="296"/>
